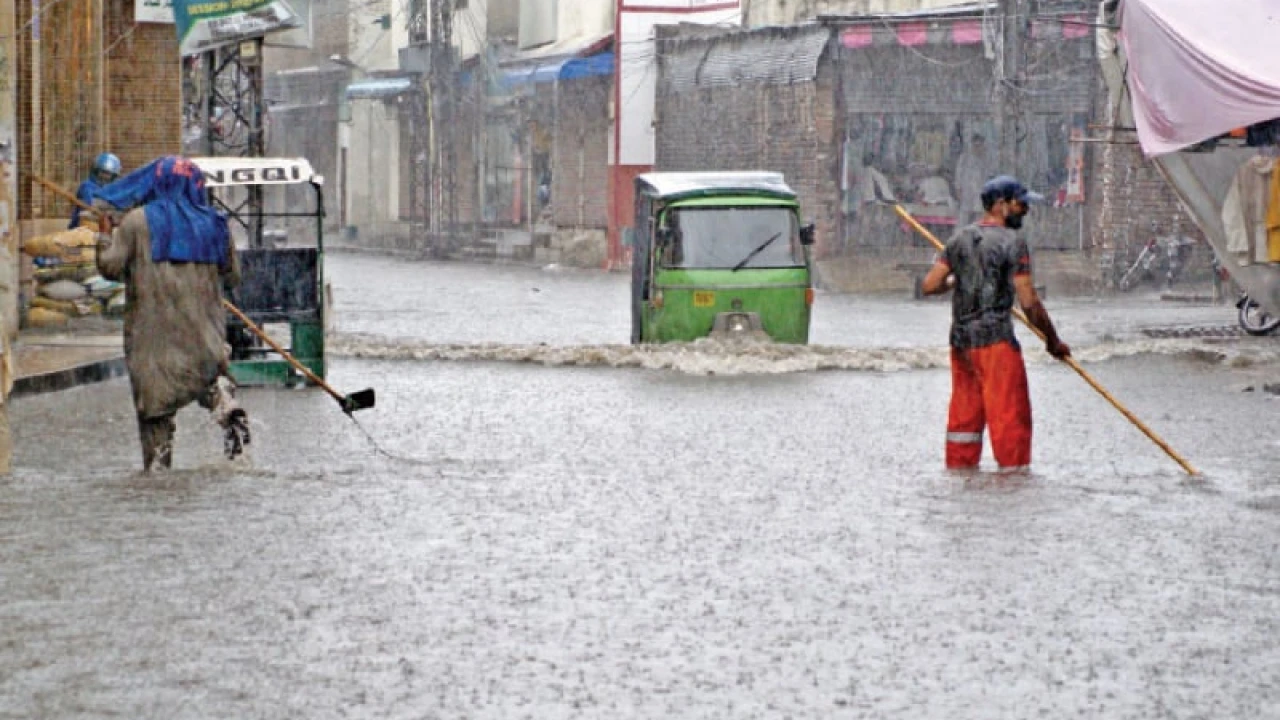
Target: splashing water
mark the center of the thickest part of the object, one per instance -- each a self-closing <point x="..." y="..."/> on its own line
<point x="750" y="357"/>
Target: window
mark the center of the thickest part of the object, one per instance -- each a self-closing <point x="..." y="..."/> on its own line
<point x="537" y="23"/>
<point x="418" y="25"/>
<point x="704" y="237"/>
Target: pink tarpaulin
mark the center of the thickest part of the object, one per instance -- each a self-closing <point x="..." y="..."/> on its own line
<point x="913" y="33"/>
<point x="858" y="36"/>
<point x="1200" y="69"/>
<point x="1076" y="26"/>
<point x="966" y="32"/>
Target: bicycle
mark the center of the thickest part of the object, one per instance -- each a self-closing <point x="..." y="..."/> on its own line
<point x="1177" y="249"/>
<point x="1255" y="320"/>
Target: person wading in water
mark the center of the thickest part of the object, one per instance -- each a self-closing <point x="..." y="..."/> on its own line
<point x="173" y="251"/>
<point x="989" y="266"/>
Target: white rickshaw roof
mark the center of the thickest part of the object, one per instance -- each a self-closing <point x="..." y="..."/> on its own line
<point x="243" y="171"/>
<point x="672" y="185"/>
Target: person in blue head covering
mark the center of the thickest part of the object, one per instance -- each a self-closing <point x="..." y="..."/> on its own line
<point x="174" y="252"/>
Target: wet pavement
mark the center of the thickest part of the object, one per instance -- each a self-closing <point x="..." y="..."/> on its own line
<point x="47" y="362"/>
<point x="579" y="529"/>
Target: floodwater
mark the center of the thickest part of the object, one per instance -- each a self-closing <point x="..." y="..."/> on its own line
<point x="578" y="529"/>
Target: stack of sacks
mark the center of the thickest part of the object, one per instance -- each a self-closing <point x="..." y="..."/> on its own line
<point x="67" y="280"/>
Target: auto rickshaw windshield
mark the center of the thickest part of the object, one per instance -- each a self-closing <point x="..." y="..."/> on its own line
<point x="723" y="238"/>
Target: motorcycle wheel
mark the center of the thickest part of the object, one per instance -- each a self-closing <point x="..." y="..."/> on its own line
<point x="1257" y="321"/>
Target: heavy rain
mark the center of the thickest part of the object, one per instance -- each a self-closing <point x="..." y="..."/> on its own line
<point x="558" y="359"/>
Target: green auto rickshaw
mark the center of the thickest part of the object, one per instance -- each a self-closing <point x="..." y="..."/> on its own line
<point x="719" y="254"/>
<point x="282" y="289"/>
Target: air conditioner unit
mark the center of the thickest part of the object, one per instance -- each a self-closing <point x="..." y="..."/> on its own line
<point x="415" y="59"/>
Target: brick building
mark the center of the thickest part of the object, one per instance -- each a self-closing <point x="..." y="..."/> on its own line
<point x="10" y="267"/>
<point x="87" y="78"/>
<point x="143" y="87"/>
<point x="579" y="188"/>
<point x="920" y="99"/>
<point x="543" y="155"/>
<point x="858" y="111"/>
<point x="752" y="100"/>
<point x="120" y="91"/>
<point x="1132" y="203"/>
<point x="833" y="105"/>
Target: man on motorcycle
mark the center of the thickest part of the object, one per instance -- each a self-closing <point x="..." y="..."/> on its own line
<point x="106" y="168"/>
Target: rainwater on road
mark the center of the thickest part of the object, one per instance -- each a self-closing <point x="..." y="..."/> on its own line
<point x="587" y="530"/>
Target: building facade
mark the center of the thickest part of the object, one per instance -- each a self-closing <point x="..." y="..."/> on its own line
<point x="763" y="13"/>
<point x="893" y="111"/>
<point x="88" y="76"/>
<point x="762" y="99"/>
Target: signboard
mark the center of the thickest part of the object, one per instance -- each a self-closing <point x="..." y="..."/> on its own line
<point x="208" y="24"/>
<point x="1075" y="160"/>
<point x="229" y="171"/>
<point x="153" y="11"/>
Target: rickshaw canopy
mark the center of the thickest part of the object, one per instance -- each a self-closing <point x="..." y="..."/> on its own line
<point x="1199" y="69"/>
<point x="669" y="186"/>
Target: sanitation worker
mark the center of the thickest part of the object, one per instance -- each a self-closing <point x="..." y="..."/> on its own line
<point x="172" y="250"/>
<point x="988" y="266"/>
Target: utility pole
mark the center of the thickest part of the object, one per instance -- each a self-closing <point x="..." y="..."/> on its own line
<point x="442" y="101"/>
<point x="1008" y="73"/>
<point x="419" y="137"/>
<point x="234" y="119"/>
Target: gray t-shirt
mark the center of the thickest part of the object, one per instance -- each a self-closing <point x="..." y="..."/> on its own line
<point x="984" y="260"/>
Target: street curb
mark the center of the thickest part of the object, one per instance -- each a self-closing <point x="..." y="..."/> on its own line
<point x="68" y="378"/>
<point x="460" y="258"/>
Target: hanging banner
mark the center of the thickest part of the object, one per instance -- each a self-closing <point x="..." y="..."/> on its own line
<point x="208" y="24"/>
<point x="1075" y="160"/>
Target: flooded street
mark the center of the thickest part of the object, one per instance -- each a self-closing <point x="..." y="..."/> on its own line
<point x="579" y="529"/>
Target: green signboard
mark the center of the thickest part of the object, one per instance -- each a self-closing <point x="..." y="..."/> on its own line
<point x="208" y="24"/>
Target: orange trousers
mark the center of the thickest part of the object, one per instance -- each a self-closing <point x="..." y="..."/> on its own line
<point x="989" y="389"/>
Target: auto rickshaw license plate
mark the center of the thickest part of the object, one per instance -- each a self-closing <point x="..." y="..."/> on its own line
<point x="704" y="298"/>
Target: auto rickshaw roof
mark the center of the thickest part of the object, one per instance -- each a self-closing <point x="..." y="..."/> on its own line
<point x="676" y="185"/>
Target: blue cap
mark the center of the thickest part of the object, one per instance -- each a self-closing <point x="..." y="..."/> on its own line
<point x="1007" y="187"/>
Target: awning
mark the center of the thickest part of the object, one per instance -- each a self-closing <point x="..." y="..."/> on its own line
<point x="578" y="45"/>
<point x="377" y="88"/>
<point x="774" y="55"/>
<point x="1198" y="70"/>
<point x="674" y="185"/>
<point x="565" y="68"/>
<point x="601" y="64"/>
<point x="532" y="74"/>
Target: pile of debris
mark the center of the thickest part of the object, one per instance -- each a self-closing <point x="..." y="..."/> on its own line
<point x="67" y="282"/>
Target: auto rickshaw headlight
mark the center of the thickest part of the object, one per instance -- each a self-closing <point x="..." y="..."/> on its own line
<point x="738" y="323"/>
